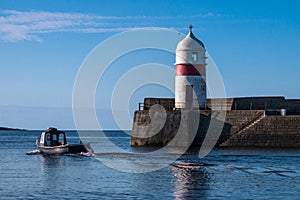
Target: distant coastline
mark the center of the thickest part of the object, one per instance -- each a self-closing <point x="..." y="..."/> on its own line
<point x="11" y="129"/>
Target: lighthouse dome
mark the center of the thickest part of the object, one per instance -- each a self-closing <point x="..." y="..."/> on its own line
<point x="190" y="42"/>
<point x="190" y="50"/>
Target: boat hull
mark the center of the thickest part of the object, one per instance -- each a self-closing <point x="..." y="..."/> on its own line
<point x="63" y="149"/>
<point x="53" y="150"/>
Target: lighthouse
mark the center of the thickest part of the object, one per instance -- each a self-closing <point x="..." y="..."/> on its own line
<point x="190" y="81"/>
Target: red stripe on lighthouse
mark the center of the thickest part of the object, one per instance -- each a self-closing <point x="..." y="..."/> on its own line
<point x="190" y="70"/>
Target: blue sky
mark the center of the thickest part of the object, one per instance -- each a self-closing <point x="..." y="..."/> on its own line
<point x="255" y="44"/>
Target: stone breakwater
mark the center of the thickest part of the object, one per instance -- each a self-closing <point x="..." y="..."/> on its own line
<point x="270" y="131"/>
<point x="240" y="128"/>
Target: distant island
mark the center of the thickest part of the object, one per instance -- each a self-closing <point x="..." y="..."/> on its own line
<point x="10" y="129"/>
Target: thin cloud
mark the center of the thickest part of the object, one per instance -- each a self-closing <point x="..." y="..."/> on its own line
<point x="30" y="25"/>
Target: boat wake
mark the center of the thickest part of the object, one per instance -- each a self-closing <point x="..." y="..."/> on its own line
<point x="191" y="165"/>
<point x="34" y="152"/>
<point x="37" y="152"/>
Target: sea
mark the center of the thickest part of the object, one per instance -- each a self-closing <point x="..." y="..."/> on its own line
<point x="233" y="173"/>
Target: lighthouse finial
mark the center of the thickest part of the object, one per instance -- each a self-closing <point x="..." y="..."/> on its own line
<point x="191" y="27"/>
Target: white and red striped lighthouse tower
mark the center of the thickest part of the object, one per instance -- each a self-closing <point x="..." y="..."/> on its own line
<point x="190" y="81"/>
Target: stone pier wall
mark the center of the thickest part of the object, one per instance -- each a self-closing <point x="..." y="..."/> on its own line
<point x="248" y="122"/>
<point x="292" y="106"/>
<point x="271" y="131"/>
<point x="143" y="129"/>
<point x="145" y="132"/>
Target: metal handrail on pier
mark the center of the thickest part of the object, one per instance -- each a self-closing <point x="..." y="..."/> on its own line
<point x="167" y="106"/>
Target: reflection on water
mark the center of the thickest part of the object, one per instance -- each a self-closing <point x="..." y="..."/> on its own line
<point x="191" y="181"/>
<point x="53" y="170"/>
<point x="53" y="161"/>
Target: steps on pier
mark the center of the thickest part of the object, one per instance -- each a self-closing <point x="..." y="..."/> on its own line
<point x="246" y="127"/>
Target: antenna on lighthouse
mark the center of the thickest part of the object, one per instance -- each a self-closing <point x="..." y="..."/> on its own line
<point x="191" y="27"/>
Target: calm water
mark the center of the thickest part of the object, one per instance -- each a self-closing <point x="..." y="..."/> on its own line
<point x="234" y="174"/>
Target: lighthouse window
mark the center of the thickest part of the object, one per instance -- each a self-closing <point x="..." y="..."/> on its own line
<point x="194" y="56"/>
